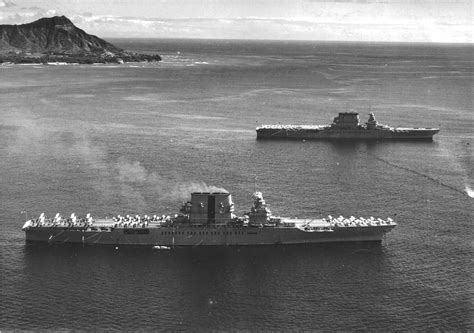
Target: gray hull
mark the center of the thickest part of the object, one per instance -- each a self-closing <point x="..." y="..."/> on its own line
<point x="191" y="236"/>
<point x="318" y="133"/>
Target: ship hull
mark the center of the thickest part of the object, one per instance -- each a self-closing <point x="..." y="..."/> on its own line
<point x="308" y="133"/>
<point x="192" y="236"/>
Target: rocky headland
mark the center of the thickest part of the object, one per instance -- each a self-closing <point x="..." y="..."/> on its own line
<point x="58" y="40"/>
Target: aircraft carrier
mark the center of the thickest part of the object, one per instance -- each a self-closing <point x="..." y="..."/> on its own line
<point x="206" y="220"/>
<point x="346" y="126"/>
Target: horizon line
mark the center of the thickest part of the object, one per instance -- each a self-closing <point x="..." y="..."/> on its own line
<point x="292" y="40"/>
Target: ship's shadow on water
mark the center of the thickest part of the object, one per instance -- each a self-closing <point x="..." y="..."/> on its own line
<point x="323" y="251"/>
<point x="67" y="249"/>
<point x="213" y="260"/>
<point x="210" y="284"/>
<point x="345" y="146"/>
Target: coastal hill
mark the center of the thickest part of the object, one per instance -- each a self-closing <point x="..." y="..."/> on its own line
<point x="57" y="39"/>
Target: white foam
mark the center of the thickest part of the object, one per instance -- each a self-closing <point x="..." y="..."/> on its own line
<point x="469" y="191"/>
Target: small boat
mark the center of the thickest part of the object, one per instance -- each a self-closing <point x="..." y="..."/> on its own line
<point x="161" y="247"/>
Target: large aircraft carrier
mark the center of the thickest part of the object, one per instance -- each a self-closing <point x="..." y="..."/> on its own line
<point x="207" y="219"/>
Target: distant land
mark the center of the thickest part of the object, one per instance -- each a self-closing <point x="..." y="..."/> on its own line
<point x="58" y="40"/>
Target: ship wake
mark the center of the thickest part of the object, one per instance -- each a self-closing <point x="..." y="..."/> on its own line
<point x="434" y="180"/>
<point x="469" y="191"/>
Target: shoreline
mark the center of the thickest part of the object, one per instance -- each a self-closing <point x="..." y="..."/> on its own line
<point x="88" y="59"/>
<point x="11" y="64"/>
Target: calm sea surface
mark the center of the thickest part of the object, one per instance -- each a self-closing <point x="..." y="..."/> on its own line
<point x="138" y="138"/>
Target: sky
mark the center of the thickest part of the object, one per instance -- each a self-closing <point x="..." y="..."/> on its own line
<point x="428" y="21"/>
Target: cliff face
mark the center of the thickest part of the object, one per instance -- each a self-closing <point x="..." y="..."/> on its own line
<point x="52" y="35"/>
<point x="58" y="39"/>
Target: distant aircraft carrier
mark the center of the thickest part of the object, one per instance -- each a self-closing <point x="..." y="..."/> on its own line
<point x="346" y="126"/>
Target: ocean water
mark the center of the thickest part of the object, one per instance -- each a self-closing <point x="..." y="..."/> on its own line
<point x="138" y="138"/>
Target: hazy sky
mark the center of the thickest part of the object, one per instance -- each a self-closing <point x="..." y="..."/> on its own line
<point x="449" y="21"/>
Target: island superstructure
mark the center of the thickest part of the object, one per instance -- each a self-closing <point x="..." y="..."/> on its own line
<point x="207" y="219"/>
<point x="346" y="126"/>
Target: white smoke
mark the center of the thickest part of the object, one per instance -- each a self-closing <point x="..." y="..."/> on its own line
<point x="183" y="190"/>
<point x="114" y="180"/>
<point x="133" y="172"/>
<point x="134" y="178"/>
